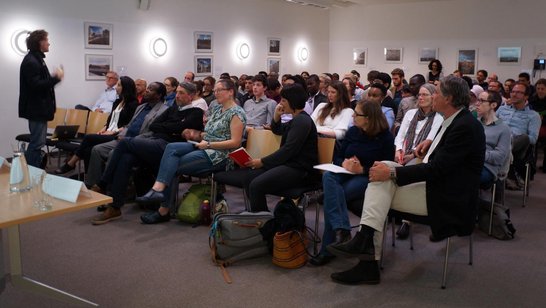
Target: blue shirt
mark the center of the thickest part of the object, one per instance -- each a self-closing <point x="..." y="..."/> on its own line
<point x="169" y="99"/>
<point x="106" y="100"/>
<point x="521" y="121"/>
<point x="134" y="129"/>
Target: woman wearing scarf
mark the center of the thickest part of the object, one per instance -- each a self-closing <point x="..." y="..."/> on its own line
<point x="417" y="126"/>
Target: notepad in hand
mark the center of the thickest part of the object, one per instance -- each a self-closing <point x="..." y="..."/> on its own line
<point x="240" y="156"/>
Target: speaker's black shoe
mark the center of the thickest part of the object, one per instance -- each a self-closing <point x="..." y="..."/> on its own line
<point x="403" y="231"/>
<point x="365" y="272"/>
<point x="360" y="246"/>
<point x="321" y="260"/>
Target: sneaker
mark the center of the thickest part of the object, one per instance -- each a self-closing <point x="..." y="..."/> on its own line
<point x="110" y="214"/>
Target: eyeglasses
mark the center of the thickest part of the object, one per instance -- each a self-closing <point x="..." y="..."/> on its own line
<point x="219" y="90"/>
<point x="517" y="92"/>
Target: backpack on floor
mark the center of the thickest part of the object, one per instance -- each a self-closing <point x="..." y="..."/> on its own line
<point x="191" y="202"/>
<point x="235" y="237"/>
<point x="502" y="227"/>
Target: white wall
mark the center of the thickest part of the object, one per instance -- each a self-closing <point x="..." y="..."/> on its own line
<point x="448" y="25"/>
<point x="252" y="20"/>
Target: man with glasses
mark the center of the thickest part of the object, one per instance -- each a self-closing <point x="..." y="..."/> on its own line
<point x="525" y="125"/>
<point x="107" y="97"/>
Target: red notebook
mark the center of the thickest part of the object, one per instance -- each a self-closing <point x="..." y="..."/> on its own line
<point x="240" y="156"/>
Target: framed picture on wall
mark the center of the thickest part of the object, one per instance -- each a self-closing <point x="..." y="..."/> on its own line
<point x="467" y="61"/>
<point x="427" y="54"/>
<point x="96" y="66"/>
<point x="203" y="41"/>
<point x="509" y="55"/>
<point x="273" y="65"/>
<point x="274" y="46"/>
<point x="203" y="65"/>
<point x="360" y="56"/>
<point x="98" y="35"/>
<point x="393" y="55"/>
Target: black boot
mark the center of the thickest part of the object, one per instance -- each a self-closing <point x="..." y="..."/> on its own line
<point x="342" y="236"/>
<point x="365" y="272"/>
<point x="360" y="246"/>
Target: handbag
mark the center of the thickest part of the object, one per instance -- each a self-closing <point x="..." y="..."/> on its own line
<point x="191" y="202"/>
<point x="290" y="249"/>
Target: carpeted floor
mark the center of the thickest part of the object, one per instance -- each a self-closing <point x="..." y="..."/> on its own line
<point x="127" y="264"/>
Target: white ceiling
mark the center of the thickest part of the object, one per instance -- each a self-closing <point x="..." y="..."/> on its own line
<point x="347" y="3"/>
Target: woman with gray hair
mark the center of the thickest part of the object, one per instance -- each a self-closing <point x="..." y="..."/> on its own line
<point x="418" y="125"/>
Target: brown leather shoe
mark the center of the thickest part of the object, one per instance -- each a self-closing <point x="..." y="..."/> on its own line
<point x="110" y="214"/>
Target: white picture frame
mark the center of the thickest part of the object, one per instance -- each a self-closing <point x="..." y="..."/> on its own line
<point x="96" y="66"/>
<point x="98" y="35"/>
<point x="467" y="61"/>
<point x="393" y="55"/>
<point x="203" y="41"/>
<point x="273" y="46"/>
<point x="360" y="56"/>
<point x="427" y="54"/>
<point x="203" y="65"/>
<point x="273" y="65"/>
<point x="509" y="55"/>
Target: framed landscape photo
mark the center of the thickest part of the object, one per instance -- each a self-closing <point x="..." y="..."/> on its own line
<point x="274" y="46"/>
<point x="427" y="54"/>
<point x="203" y="65"/>
<point x="203" y="41"/>
<point x="509" y="55"/>
<point x="273" y="65"/>
<point x="96" y="66"/>
<point x="467" y="61"/>
<point x="393" y="55"/>
<point x="98" y="35"/>
<point x="360" y="56"/>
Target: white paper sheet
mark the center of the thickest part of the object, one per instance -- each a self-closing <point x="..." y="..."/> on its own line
<point x="332" y="168"/>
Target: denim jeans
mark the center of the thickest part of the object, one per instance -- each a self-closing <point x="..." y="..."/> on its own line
<point x="183" y="158"/>
<point x="338" y="190"/>
<point x="38" y="135"/>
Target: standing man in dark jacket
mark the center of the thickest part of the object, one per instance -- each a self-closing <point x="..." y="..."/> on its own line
<point x="444" y="187"/>
<point x="37" y="94"/>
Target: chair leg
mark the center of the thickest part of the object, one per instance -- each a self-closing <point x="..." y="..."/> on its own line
<point x="317" y="220"/>
<point x="410" y="235"/>
<point x="526" y="184"/>
<point x="384" y="240"/>
<point x="493" y="191"/>
<point x="444" y="275"/>
<point x="470" y="250"/>
<point x="393" y="225"/>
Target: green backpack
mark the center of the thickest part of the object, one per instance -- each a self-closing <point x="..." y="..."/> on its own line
<point x="191" y="202"/>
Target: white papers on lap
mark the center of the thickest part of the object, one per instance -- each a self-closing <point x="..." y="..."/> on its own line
<point x="332" y="168"/>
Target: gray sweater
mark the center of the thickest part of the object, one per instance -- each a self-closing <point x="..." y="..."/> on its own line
<point x="497" y="145"/>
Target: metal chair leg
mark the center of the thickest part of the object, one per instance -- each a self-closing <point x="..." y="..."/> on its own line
<point x="410" y="234"/>
<point x="526" y="184"/>
<point x="470" y="250"/>
<point x="493" y="191"/>
<point x="444" y="275"/>
<point x="317" y="221"/>
<point x="384" y="240"/>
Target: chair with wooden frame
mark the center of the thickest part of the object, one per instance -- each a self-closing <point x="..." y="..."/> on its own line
<point x="96" y="122"/>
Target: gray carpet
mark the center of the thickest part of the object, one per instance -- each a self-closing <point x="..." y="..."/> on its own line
<point x="127" y="264"/>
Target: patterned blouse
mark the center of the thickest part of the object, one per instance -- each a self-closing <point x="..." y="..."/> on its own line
<point x="218" y="129"/>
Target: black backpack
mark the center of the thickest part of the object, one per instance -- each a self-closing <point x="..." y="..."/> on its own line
<point x="502" y="227"/>
<point x="287" y="217"/>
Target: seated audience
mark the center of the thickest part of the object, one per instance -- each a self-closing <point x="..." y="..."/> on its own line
<point x="315" y="97"/>
<point x="409" y="102"/>
<point x="259" y="110"/>
<point x="351" y="87"/>
<point x="223" y="133"/>
<point x="189" y="76"/>
<point x="208" y="85"/>
<point x="198" y="101"/>
<point x="120" y="115"/>
<point x="377" y="93"/>
<point x="497" y="137"/>
<point x="334" y="117"/>
<point x="369" y="140"/>
<point x="141" y="86"/>
<point x="397" y="78"/>
<point x="273" y="89"/>
<point x="525" y="125"/>
<point x="538" y="104"/>
<point x="418" y="125"/>
<point x="147" y="149"/>
<point x="107" y="97"/>
<point x="444" y="187"/>
<point x="170" y="84"/>
<point x="508" y="85"/>
<point x="293" y="162"/>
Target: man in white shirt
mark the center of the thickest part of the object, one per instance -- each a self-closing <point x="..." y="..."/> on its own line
<point x="107" y="97"/>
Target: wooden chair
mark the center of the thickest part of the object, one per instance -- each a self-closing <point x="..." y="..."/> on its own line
<point x="95" y="122"/>
<point x="77" y="117"/>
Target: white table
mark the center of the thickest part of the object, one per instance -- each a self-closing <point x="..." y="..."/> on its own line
<point x="16" y="209"/>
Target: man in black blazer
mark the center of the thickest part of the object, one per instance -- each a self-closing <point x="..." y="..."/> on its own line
<point x="444" y="187"/>
<point x="37" y="94"/>
<point x="315" y="97"/>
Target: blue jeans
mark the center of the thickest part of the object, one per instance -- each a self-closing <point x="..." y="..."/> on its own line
<point x="338" y="190"/>
<point x="184" y="158"/>
<point x="486" y="178"/>
<point x="38" y="135"/>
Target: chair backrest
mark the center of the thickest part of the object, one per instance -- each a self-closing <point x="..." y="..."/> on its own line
<point x="59" y="118"/>
<point x="262" y="142"/>
<point x="326" y="149"/>
<point x="77" y="117"/>
<point x="96" y="121"/>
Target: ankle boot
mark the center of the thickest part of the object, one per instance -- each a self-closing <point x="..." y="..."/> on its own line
<point x="365" y="272"/>
<point x="360" y="246"/>
<point x="342" y="236"/>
